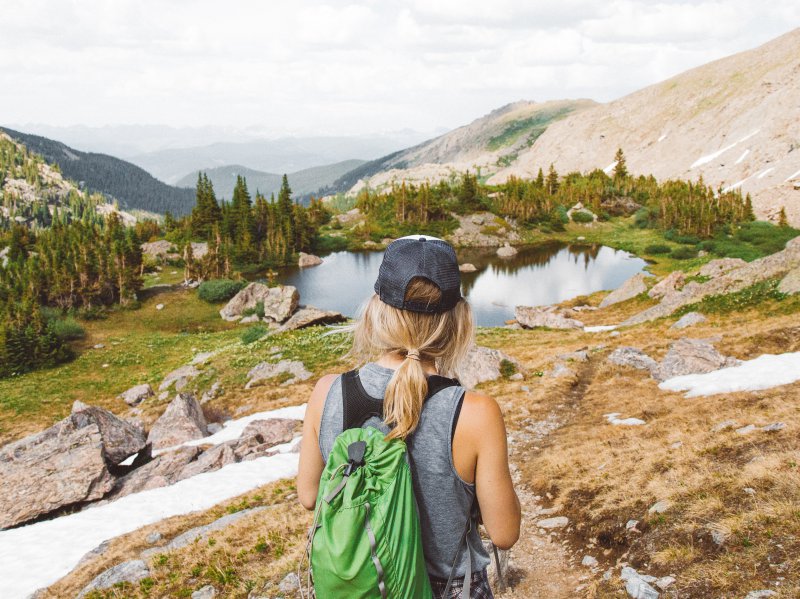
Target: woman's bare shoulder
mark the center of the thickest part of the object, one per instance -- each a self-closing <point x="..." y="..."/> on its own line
<point x="479" y="414"/>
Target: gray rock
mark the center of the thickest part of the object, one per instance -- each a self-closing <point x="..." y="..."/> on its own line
<point x="162" y="471"/>
<point x="64" y="464"/>
<point x="719" y="536"/>
<point x="310" y="316"/>
<point x="660" y="507"/>
<point x="550" y="523"/>
<point x="482" y="364"/>
<point x="669" y="284"/>
<point x="629" y="289"/>
<point x="467" y="267"/>
<point x="589" y="561"/>
<point x="633" y="357"/>
<point x="279" y="302"/>
<point x="637" y="585"/>
<point x="213" y="427"/>
<point x="208" y="461"/>
<point x="202" y="532"/>
<point x="790" y="284"/>
<point x="153" y="538"/>
<point x="773" y="266"/>
<point x="774" y="427"/>
<point x="179" y="376"/>
<point x="290" y="583"/>
<point x="307" y="260"/>
<point x="724" y="425"/>
<point x="631" y="524"/>
<point x="202" y="358"/>
<point x="691" y="356"/>
<point x="719" y="267"/>
<point x="746" y="430"/>
<point x="182" y="421"/>
<point x="544" y="316"/>
<point x="261" y="435"/>
<point x="250" y="319"/>
<point x="665" y="582"/>
<point x="158" y="249"/>
<point x="581" y="355"/>
<point x="131" y="571"/>
<point x="94" y="553"/>
<point x="268" y="370"/>
<point x="212" y="393"/>
<point x="763" y="594"/>
<point x="688" y="320"/>
<point x="560" y="370"/>
<point x="206" y="592"/>
<point x="136" y="395"/>
<point x="507" y="251"/>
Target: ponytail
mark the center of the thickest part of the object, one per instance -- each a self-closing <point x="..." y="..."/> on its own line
<point x="402" y="402"/>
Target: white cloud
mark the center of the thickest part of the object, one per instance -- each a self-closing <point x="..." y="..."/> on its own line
<point x="349" y="67"/>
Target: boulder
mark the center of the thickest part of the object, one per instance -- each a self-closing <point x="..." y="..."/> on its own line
<point x="206" y="592"/>
<point x="560" y="370"/>
<point x="120" y="437"/>
<point x="633" y="357"/>
<point x="289" y="584"/>
<point x="790" y="284"/>
<point x="210" y="460"/>
<point x="719" y="267"/>
<point x="213" y="392"/>
<point x="199" y="250"/>
<point x="132" y="571"/>
<point x="691" y="356"/>
<point x="636" y="584"/>
<point x="349" y="216"/>
<point x="482" y="364"/>
<point x="775" y="265"/>
<point x="162" y="471"/>
<point x="307" y="260"/>
<point x="557" y="522"/>
<point x="629" y="289"/>
<point x="669" y="284"/>
<point x="467" y="267"/>
<point x="136" y="395"/>
<point x="507" y="251"/>
<point x="689" y="319"/>
<point x="544" y="316"/>
<point x="310" y="316"/>
<point x="158" y="249"/>
<point x="261" y="435"/>
<point x="179" y="377"/>
<point x="268" y="370"/>
<point x="279" y="302"/>
<point x="182" y="421"/>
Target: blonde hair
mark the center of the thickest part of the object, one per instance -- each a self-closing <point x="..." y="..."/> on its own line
<point x="444" y="338"/>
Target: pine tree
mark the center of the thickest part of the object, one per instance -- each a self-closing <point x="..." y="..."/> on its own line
<point x="552" y="180"/>
<point x="783" y="221"/>
<point x="540" y="179"/>
<point x="621" y="167"/>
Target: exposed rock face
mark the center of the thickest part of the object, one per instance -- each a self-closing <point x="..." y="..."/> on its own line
<point x="349" y="216"/>
<point x="482" y="364"/>
<point x="691" y="356"/>
<point x="309" y="316"/>
<point x="279" y="302"/>
<point x="136" y="395"/>
<point x="120" y="437"/>
<point x="467" y="267"/>
<point x="544" y="316"/>
<point x="687" y="320"/>
<point x="773" y="266"/>
<point x="132" y="571"/>
<point x="182" y="421"/>
<point x="629" y="289"/>
<point x="159" y="249"/>
<point x="635" y="358"/>
<point x="210" y="460"/>
<point x="482" y="229"/>
<point x="719" y="267"/>
<point x="268" y="370"/>
<point x="261" y="435"/>
<point x="507" y="251"/>
<point x="162" y="471"/>
<point x="307" y="260"/>
<point x="790" y="284"/>
<point x="199" y="250"/>
<point x="669" y="284"/>
<point x="179" y="377"/>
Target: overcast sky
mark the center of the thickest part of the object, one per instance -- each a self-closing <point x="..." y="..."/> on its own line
<point x="307" y="66"/>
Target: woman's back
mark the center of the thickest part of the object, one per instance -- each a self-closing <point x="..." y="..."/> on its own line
<point x="444" y="499"/>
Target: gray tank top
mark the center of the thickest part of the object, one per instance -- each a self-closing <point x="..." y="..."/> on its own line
<point x="443" y="497"/>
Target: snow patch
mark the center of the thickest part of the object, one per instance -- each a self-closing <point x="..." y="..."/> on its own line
<point x="764" y="372"/>
<point x="610" y="167"/>
<point x="790" y="177"/>
<point x="765" y="172"/>
<point x="742" y="157"/>
<point x="615" y="419"/>
<point x="37" y="555"/>
<point x="662" y="138"/>
<point x="709" y="157"/>
<point x="735" y="185"/>
<point x="748" y="136"/>
<point x="600" y="328"/>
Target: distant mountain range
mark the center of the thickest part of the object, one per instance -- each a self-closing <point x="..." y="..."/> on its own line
<point x="132" y="186"/>
<point x="303" y="183"/>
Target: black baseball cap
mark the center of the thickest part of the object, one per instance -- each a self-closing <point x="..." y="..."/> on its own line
<point x="419" y="256"/>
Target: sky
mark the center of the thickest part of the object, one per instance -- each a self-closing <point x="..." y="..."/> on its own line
<point x="344" y="68"/>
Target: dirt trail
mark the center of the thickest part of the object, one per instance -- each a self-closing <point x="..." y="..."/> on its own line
<point x="541" y="565"/>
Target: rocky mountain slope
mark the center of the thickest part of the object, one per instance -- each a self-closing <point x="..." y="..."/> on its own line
<point x="487" y="143"/>
<point x="134" y="188"/>
<point x="304" y="182"/>
<point x="735" y="121"/>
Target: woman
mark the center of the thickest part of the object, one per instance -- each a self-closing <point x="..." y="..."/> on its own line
<point x="415" y="329"/>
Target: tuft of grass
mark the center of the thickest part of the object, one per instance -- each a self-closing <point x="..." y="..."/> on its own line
<point x="657" y="248"/>
<point x="219" y="290"/>
<point x="254" y="333"/>
<point x="754" y="296"/>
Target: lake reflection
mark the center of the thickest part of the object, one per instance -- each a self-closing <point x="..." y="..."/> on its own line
<point x="536" y="276"/>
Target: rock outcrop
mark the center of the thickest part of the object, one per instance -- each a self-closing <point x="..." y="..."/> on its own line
<point x="310" y="316"/>
<point x="161" y="249"/>
<point x="136" y="395"/>
<point x="691" y="356"/>
<point x="179" y="377"/>
<point x="688" y="320"/>
<point x="467" y="267"/>
<point x="483" y="229"/>
<point x="790" y="284"/>
<point x="632" y="357"/>
<point x="296" y="371"/>
<point x="260" y="436"/>
<point x="769" y="267"/>
<point x="182" y="421"/>
<point x="507" y="251"/>
<point x="719" y="267"/>
<point x="669" y="284"/>
<point x="279" y="302"/>
<point x="132" y="571"/>
<point x="544" y="316"/>
<point x="629" y="289"/>
<point x="307" y="260"/>
<point x="483" y="364"/>
<point x="162" y="471"/>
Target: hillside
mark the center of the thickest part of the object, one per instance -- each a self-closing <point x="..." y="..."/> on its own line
<point x="735" y="121"/>
<point x="283" y="155"/>
<point x="130" y="185"/>
<point x="488" y="143"/>
<point x="304" y="182"/>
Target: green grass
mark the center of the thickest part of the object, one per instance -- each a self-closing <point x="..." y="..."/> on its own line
<point x="755" y="296"/>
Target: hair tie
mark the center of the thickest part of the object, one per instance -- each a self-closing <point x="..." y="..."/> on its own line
<point x="413" y="354"/>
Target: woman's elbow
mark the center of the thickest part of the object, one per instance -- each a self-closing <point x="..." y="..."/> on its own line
<point x="307" y="497"/>
<point x="507" y="539"/>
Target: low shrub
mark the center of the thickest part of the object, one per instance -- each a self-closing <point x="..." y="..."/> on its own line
<point x="219" y="290"/>
<point x="683" y="253"/>
<point x="258" y="310"/>
<point x="67" y="329"/>
<point x="657" y="248"/>
<point x="253" y="333"/>
<point x="581" y="216"/>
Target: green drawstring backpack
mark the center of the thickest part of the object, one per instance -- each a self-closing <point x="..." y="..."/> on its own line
<point x="366" y="539"/>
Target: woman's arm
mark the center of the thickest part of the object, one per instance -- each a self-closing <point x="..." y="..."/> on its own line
<point x="311" y="464"/>
<point x="484" y="428"/>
